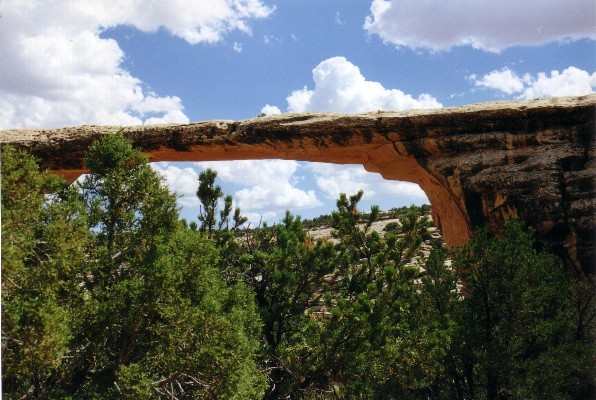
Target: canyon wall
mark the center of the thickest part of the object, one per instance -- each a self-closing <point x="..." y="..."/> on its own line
<point x="478" y="164"/>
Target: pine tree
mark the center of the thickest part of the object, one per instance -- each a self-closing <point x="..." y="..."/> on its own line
<point x="286" y="270"/>
<point x="377" y="342"/>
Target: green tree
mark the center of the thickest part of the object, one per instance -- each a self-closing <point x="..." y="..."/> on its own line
<point x="521" y="335"/>
<point x="204" y="334"/>
<point x="286" y="270"/>
<point x="157" y="319"/>
<point x="441" y="306"/>
<point x="221" y="228"/>
<point x="376" y="343"/>
<point x="106" y="294"/>
<point x="209" y="195"/>
<point x="43" y="243"/>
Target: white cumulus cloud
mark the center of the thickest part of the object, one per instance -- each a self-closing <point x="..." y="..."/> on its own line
<point x="182" y="181"/>
<point x="270" y="110"/>
<point x="487" y="25"/>
<point x="504" y="80"/>
<point x="269" y="186"/>
<point x="56" y="69"/>
<point x="341" y="87"/>
<point x="571" y="82"/>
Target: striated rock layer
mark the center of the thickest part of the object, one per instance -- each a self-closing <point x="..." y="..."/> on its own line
<point x="478" y="164"/>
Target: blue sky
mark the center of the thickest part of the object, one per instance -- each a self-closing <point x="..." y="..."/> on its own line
<point x="128" y="62"/>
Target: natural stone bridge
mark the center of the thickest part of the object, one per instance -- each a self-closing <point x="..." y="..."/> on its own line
<point x="478" y="164"/>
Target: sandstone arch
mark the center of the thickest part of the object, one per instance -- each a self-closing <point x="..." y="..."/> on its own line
<point x="478" y="164"/>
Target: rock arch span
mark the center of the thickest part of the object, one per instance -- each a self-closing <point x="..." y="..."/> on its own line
<point x="478" y="164"/>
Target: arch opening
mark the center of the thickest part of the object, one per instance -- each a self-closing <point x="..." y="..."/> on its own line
<point x="265" y="189"/>
<point x="447" y="213"/>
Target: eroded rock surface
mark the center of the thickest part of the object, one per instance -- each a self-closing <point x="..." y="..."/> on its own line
<point x="478" y="164"/>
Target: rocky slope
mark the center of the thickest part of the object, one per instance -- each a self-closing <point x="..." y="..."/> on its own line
<point x="478" y="164"/>
<point x="325" y="233"/>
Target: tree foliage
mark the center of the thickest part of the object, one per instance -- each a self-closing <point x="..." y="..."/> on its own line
<point x="286" y="271"/>
<point x="519" y="320"/>
<point x="43" y="246"/>
<point x="106" y="294"/>
<point x="376" y="342"/>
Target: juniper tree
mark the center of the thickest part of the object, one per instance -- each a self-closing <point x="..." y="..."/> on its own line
<point x="106" y="294"/>
<point x="159" y="319"/>
<point x="44" y="239"/>
<point x="521" y="320"/>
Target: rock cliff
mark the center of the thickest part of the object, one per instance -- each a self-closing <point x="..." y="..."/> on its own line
<point x="478" y="164"/>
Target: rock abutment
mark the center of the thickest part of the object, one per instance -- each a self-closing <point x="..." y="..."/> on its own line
<point x="478" y="164"/>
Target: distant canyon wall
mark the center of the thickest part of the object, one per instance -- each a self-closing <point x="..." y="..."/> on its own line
<point x="478" y="164"/>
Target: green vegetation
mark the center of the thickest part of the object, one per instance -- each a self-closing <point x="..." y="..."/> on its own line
<point x="106" y="294"/>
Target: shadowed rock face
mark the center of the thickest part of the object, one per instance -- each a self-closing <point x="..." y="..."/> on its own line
<point x="478" y="164"/>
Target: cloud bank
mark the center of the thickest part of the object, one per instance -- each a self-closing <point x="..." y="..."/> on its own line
<point x="270" y="110"/>
<point x="571" y="82"/>
<point x="270" y="187"/>
<point x="57" y="70"/>
<point x="486" y="25"/>
<point x="335" y="179"/>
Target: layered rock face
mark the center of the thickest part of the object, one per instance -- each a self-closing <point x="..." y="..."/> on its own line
<point x="478" y="164"/>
